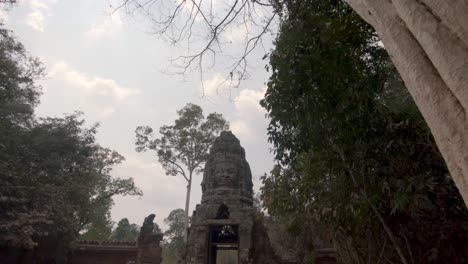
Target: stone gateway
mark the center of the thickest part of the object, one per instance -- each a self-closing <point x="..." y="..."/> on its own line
<point x="223" y="222"/>
<point x="224" y="227"/>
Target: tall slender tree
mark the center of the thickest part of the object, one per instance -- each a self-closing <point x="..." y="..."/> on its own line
<point x="183" y="148"/>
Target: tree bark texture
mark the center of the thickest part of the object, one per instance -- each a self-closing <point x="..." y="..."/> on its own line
<point x="428" y="43"/>
<point x="187" y="204"/>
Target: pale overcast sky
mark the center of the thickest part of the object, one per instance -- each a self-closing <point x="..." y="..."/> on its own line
<point x="110" y="68"/>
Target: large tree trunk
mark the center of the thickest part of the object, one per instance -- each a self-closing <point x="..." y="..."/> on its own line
<point x="428" y="42"/>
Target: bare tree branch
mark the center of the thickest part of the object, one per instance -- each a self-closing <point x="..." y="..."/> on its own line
<point x="181" y="171"/>
<point x="205" y="25"/>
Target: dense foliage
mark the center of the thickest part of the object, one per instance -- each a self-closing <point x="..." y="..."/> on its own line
<point x="54" y="177"/>
<point x="174" y="244"/>
<point x="357" y="163"/>
<point x="19" y="93"/>
<point x="126" y="231"/>
<point x="100" y="227"/>
<point x="183" y="147"/>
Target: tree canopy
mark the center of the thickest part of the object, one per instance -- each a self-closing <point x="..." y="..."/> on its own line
<point x="359" y="166"/>
<point x="174" y="244"/>
<point x="19" y="92"/>
<point x="125" y="231"/>
<point x="183" y="147"/>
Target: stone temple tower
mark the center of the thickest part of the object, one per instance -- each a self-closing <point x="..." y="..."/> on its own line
<point x="225" y="228"/>
<point x="222" y="225"/>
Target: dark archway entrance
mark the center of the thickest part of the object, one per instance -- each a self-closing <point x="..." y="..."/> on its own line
<point x="223" y="244"/>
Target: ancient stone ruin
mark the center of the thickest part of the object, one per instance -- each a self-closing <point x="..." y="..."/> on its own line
<point x="146" y="250"/>
<point x="224" y="219"/>
<point x="225" y="223"/>
<point x="149" y="243"/>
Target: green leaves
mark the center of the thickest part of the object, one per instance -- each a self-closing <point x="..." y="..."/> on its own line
<point x="126" y="231"/>
<point x="61" y="176"/>
<point x="183" y="147"/>
<point x="356" y="160"/>
<point x="174" y="236"/>
<point x="19" y="93"/>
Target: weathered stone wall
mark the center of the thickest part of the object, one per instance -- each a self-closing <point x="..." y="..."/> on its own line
<point x="105" y="252"/>
<point x="147" y="251"/>
<point x="85" y="252"/>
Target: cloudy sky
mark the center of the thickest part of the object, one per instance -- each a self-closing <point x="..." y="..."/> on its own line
<point x="111" y="68"/>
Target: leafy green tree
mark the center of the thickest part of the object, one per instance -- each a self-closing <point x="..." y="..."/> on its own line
<point x="183" y="147"/>
<point x="19" y="93"/>
<point x="56" y="170"/>
<point x="100" y="224"/>
<point x="125" y="231"/>
<point x="359" y="165"/>
<point x="54" y="176"/>
<point x="174" y="236"/>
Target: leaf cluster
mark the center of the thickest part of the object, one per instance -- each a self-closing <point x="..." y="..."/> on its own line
<point x="126" y="231"/>
<point x="355" y="156"/>
<point x="19" y="93"/>
<point x="183" y="148"/>
<point x="174" y="242"/>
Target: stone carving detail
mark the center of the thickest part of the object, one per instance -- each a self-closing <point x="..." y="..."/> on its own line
<point x="223" y="212"/>
<point x="227" y="172"/>
<point x="146" y="228"/>
<point x="227" y="202"/>
<point x="149" y="248"/>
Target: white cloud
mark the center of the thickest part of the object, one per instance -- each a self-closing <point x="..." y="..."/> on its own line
<point x="36" y="20"/>
<point x="40" y="9"/>
<point x="216" y="86"/>
<point x="93" y="86"/>
<point x="4" y="16"/>
<point x="109" y="25"/>
<point x="101" y="94"/>
<point x="161" y="193"/>
<point x="238" y="33"/>
<point x="40" y="4"/>
<point x="250" y="116"/>
<point x="144" y="173"/>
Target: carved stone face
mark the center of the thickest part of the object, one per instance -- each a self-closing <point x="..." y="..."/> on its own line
<point x="226" y="175"/>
